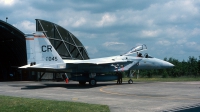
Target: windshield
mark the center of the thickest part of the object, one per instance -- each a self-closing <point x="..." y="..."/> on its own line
<point x="136" y="49"/>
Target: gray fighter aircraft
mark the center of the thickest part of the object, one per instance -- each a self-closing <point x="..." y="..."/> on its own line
<point x="42" y="55"/>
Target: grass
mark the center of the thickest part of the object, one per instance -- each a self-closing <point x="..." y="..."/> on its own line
<point x="18" y="104"/>
<point x="158" y="79"/>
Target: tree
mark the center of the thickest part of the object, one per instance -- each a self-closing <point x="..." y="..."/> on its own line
<point x="193" y="66"/>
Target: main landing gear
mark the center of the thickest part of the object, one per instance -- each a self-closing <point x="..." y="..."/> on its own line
<point x="88" y="77"/>
<point x="92" y="82"/>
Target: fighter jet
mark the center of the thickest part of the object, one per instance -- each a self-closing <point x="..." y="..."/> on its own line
<point x="41" y="55"/>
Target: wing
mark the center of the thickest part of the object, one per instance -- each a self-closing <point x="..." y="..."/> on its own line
<point x="99" y="61"/>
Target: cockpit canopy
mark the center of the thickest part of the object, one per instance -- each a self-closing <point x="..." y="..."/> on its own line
<point x="136" y="49"/>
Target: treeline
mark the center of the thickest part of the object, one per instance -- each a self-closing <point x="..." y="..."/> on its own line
<point x="190" y="68"/>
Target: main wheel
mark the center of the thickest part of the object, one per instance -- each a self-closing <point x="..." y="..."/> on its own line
<point x="92" y="82"/>
<point x="130" y="81"/>
<point x="82" y="83"/>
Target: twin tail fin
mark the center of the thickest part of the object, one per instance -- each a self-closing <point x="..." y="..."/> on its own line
<point x="41" y="53"/>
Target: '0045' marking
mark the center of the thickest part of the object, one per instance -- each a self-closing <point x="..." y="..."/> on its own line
<point x="51" y="59"/>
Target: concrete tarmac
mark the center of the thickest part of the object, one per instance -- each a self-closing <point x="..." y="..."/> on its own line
<point x="136" y="97"/>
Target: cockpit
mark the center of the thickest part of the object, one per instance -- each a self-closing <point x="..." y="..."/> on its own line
<point x="137" y="50"/>
<point x="147" y="56"/>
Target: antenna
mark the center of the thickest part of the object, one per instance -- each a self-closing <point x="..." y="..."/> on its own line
<point x="6" y="19"/>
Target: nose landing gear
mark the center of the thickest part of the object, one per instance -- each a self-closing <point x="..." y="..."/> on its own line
<point x="131" y="72"/>
<point x="130" y="81"/>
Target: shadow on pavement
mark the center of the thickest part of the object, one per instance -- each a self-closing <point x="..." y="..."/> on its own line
<point x="73" y="85"/>
<point x="69" y="86"/>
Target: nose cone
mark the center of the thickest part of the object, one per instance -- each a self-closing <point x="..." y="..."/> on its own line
<point x="167" y="65"/>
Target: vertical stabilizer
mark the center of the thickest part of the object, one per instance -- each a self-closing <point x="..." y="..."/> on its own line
<point x="44" y="51"/>
<point x="30" y="48"/>
<point x="40" y="52"/>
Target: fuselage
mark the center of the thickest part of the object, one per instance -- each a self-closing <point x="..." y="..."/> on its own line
<point x="126" y="63"/>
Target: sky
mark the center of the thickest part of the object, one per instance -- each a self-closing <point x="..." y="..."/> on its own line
<point x="169" y="28"/>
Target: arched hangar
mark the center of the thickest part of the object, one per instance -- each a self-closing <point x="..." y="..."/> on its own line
<point x="13" y="49"/>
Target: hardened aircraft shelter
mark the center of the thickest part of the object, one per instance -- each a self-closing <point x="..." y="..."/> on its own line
<point x="62" y="40"/>
<point x="13" y="50"/>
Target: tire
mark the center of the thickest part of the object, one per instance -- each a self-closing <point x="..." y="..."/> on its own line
<point x="82" y="83"/>
<point x="92" y="82"/>
<point x="130" y="81"/>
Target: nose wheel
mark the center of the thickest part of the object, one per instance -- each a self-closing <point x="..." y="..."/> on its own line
<point x="130" y="81"/>
<point x="131" y="73"/>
